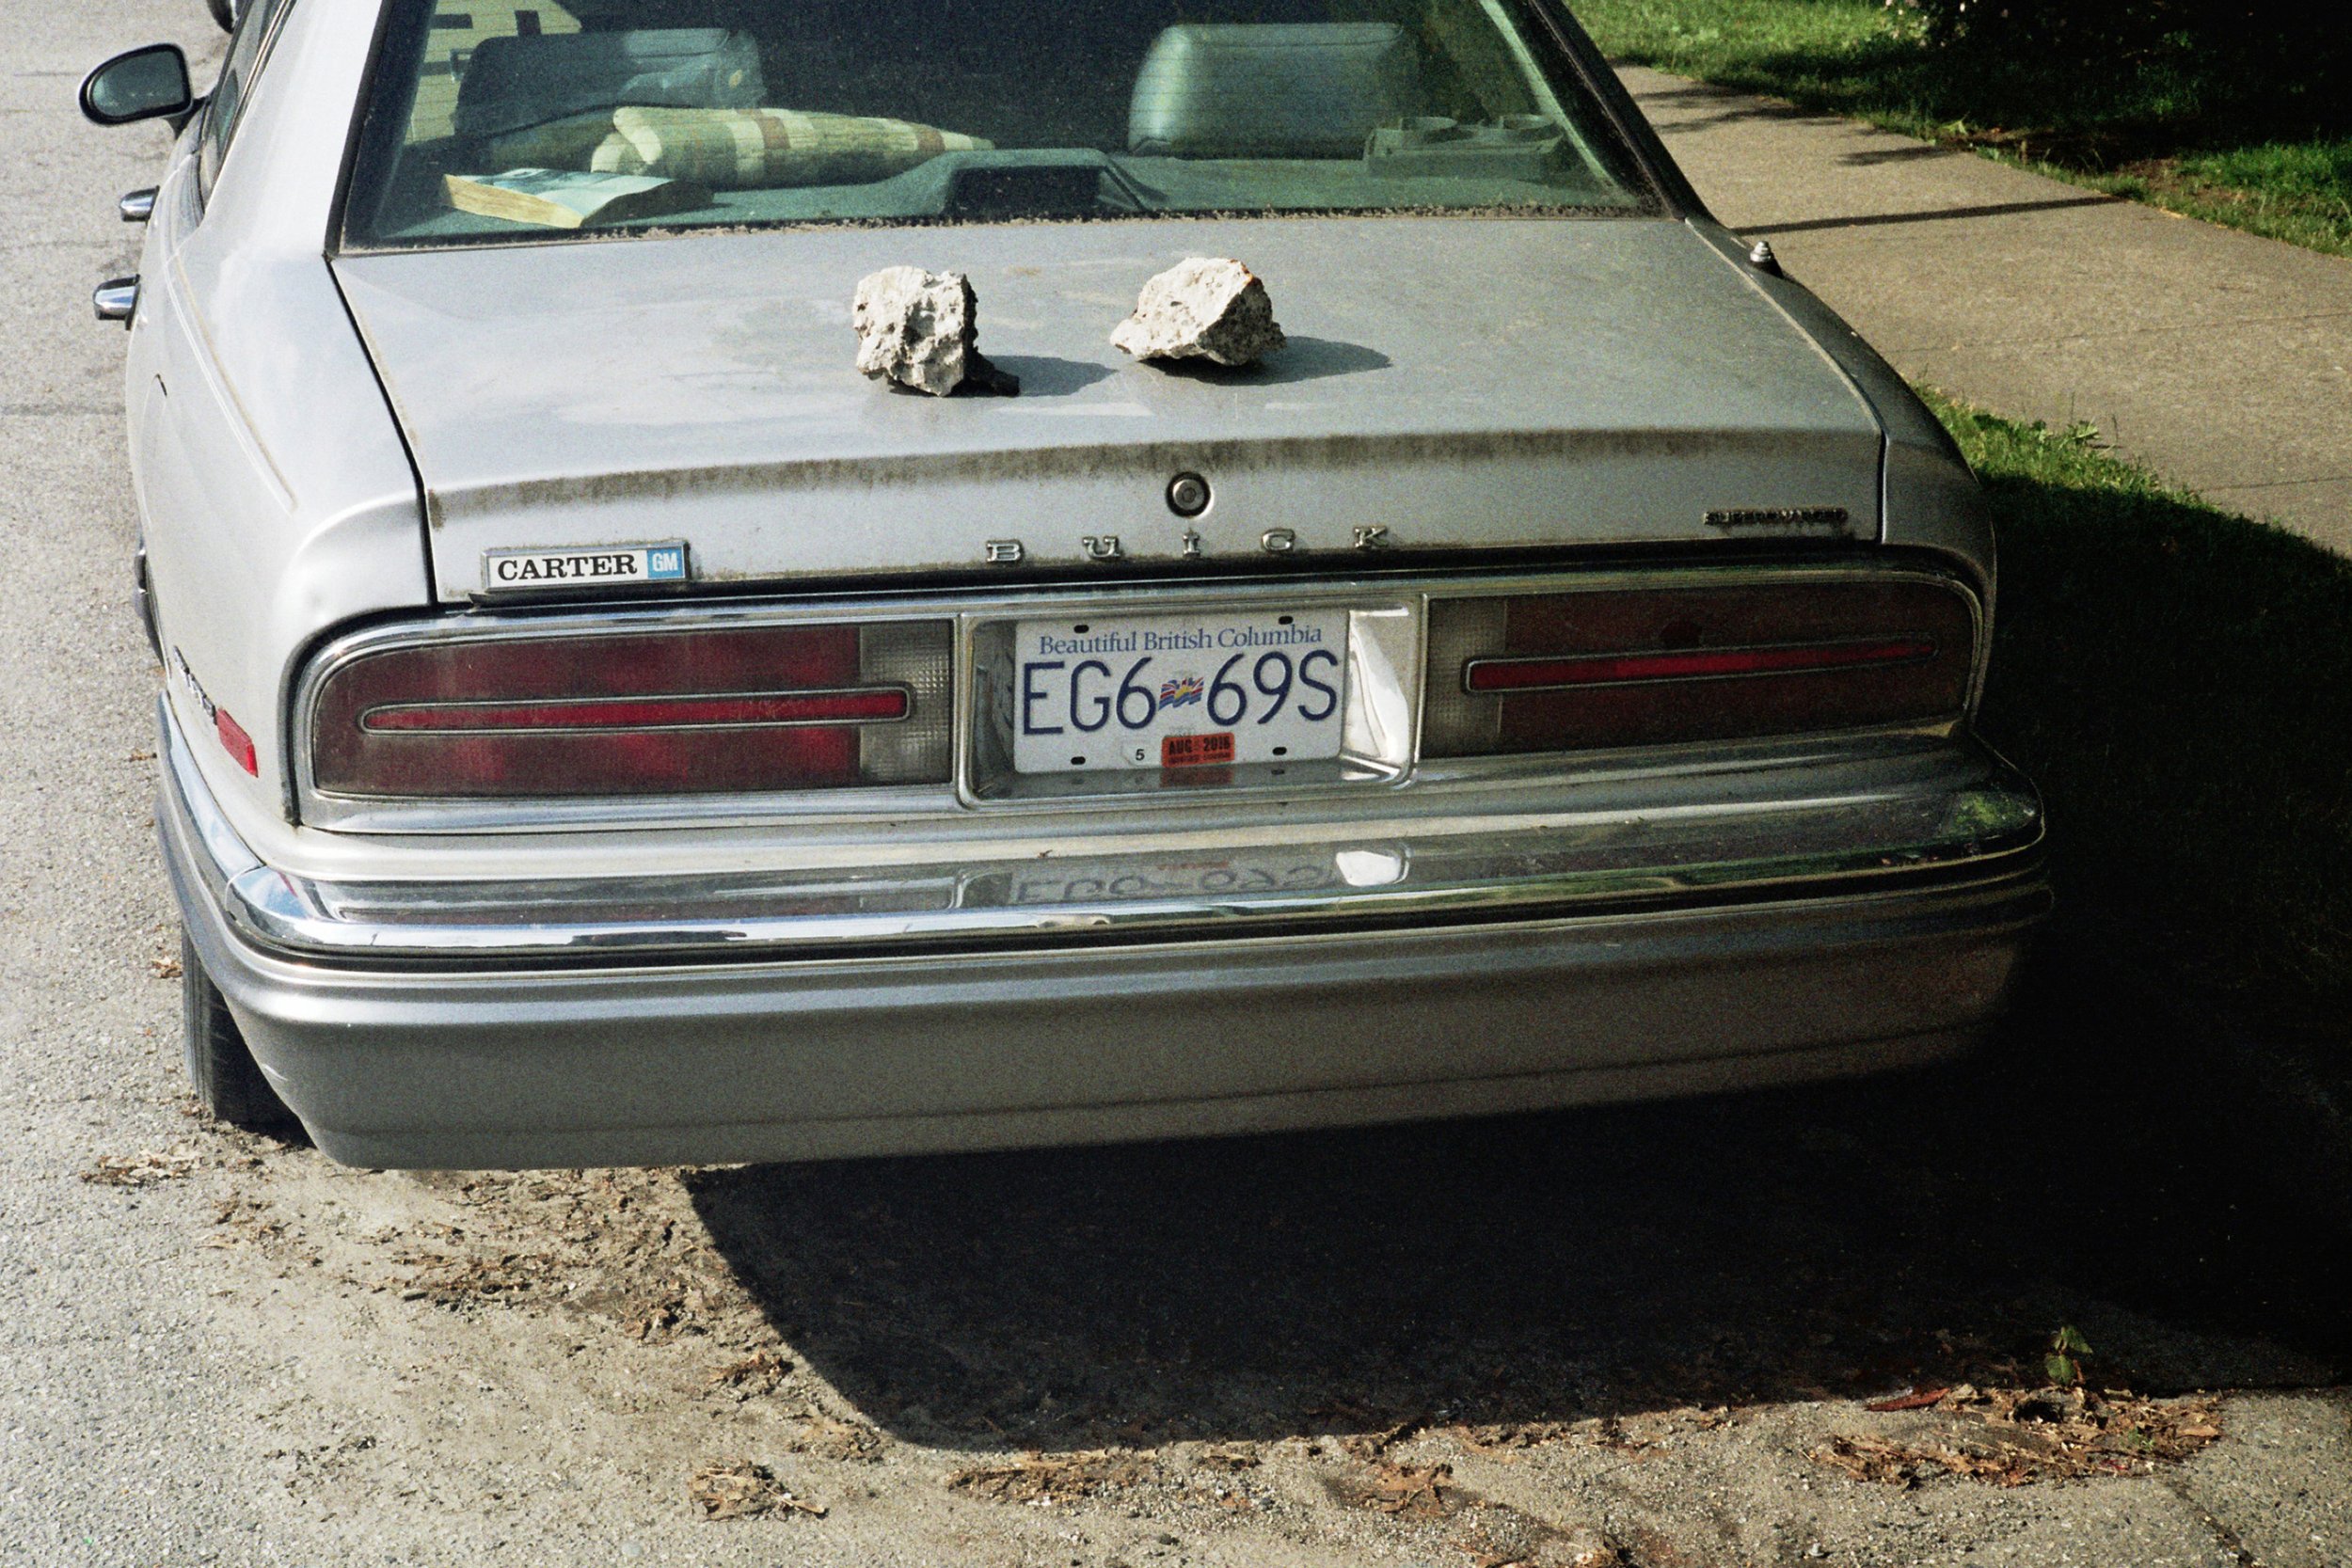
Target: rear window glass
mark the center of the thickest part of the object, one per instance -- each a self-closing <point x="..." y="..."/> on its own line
<point x="499" y="119"/>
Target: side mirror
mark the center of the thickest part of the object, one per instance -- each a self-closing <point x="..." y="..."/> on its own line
<point x="145" y="84"/>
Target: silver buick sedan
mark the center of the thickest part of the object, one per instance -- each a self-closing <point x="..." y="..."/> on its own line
<point x="601" y="726"/>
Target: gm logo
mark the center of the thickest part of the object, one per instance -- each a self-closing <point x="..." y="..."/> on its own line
<point x="665" y="564"/>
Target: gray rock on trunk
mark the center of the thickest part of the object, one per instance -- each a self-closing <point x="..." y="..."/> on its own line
<point x="920" y="329"/>
<point x="1203" y="307"/>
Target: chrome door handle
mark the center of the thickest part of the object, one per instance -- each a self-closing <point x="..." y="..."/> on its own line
<point x="138" y="206"/>
<point x="116" y="300"/>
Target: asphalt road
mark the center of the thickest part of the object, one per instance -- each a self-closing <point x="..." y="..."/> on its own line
<point x="1644" y="1335"/>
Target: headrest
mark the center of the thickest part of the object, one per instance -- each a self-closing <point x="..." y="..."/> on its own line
<point x="511" y="83"/>
<point x="1292" y="90"/>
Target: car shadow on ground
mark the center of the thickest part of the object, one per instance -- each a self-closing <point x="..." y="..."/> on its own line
<point x="1826" y="1242"/>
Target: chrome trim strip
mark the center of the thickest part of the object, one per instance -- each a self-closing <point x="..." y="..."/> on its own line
<point x="1975" y="819"/>
<point x="969" y="611"/>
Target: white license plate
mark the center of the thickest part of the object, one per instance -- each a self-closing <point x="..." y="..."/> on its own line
<point x="1113" y="693"/>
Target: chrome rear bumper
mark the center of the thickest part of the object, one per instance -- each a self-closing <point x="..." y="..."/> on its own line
<point x="1784" y="928"/>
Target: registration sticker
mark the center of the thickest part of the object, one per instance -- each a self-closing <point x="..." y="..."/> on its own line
<point x="1196" y="750"/>
<point x="609" y="565"/>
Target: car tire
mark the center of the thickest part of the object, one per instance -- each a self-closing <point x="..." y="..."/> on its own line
<point x="227" y="1079"/>
<point x="224" y="13"/>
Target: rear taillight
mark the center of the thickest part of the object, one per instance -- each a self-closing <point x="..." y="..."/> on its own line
<point x="1646" y="666"/>
<point x="722" y="710"/>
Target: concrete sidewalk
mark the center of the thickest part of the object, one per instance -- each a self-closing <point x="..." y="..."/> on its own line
<point x="2219" y="360"/>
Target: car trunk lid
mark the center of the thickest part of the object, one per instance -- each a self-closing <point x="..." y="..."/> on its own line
<point x="1452" y="386"/>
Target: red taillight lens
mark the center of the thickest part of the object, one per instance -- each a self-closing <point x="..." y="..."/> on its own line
<point x="731" y="709"/>
<point x="1641" y="667"/>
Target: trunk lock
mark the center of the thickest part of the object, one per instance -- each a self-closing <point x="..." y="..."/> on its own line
<point x="1188" y="495"/>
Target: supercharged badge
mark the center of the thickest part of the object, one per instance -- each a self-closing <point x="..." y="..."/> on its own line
<point x="518" y="571"/>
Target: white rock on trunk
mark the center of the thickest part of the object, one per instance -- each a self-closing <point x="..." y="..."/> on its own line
<point x="1203" y="307"/>
<point x="920" y="329"/>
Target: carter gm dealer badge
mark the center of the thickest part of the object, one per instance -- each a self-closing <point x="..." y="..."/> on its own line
<point x="608" y="566"/>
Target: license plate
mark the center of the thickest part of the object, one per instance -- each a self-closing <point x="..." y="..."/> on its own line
<point x="1176" y="691"/>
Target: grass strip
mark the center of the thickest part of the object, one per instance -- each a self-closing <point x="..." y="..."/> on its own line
<point x="2178" y="680"/>
<point x="2153" y="130"/>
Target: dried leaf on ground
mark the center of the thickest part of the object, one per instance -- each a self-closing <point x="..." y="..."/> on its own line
<point x="1229" y="1457"/>
<point x="737" y="1489"/>
<point x="1406" y="1491"/>
<point x="141" y="1170"/>
<point x="621" y="1248"/>
<point x="757" y="1373"/>
<point x="1372" y="1445"/>
<point x="824" y="1437"/>
<point x="1889" y="1463"/>
<point x="2110" y="1422"/>
<point x="663" y="1317"/>
<point x="1910" y="1398"/>
<point x="1054" y="1477"/>
<point x="455" y="1282"/>
<point x="165" y="966"/>
<point x="2013" y="1436"/>
<point x="1871" y="1459"/>
<point x="1504" y="1437"/>
<point x="1610" y="1432"/>
<point x="242" y="1220"/>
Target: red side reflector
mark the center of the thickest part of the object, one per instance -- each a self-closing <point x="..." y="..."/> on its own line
<point x="239" y="744"/>
<point x="1538" y="674"/>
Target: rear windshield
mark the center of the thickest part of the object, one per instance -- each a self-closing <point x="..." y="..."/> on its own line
<point x="499" y="119"/>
